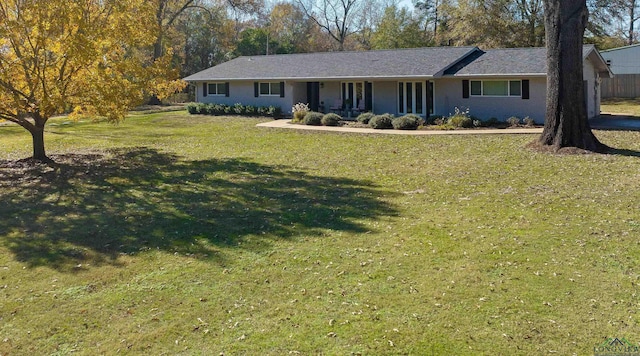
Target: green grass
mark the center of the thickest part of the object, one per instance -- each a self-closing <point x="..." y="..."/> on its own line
<point x="621" y="106"/>
<point x="171" y="234"/>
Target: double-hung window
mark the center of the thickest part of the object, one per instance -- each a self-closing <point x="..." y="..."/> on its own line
<point x="217" y="89"/>
<point x="496" y="87"/>
<point x="270" y="89"/>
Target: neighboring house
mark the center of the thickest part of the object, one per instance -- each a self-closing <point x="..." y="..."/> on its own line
<point x="624" y="62"/>
<point x="425" y="81"/>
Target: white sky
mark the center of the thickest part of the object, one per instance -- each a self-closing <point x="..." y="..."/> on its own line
<point x="407" y="3"/>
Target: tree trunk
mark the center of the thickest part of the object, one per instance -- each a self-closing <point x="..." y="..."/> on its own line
<point x="566" y="121"/>
<point x="157" y="53"/>
<point x="632" y="20"/>
<point x="37" y="133"/>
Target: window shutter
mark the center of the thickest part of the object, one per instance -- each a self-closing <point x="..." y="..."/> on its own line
<point x="226" y="89"/>
<point x="465" y="89"/>
<point x="525" y="89"/>
<point x="282" y="89"/>
<point x="204" y="89"/>
<point x="256" y="89"/>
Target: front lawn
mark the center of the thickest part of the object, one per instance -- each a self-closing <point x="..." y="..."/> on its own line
<point x="177" y="234"/>
<point x="625" y="106"/>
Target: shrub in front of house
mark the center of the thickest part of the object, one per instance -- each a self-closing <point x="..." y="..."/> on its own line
<point x="239" y="109"/>
<point x="420" y="119"/>
<point x="406" y="122"/>
<point x="435" y="120"/>
<point x="250" y="110"/>
<point x="236" y="109"/>
<point x="384" y="121"/>
<point x="460" y="121"/>
<point x="313" y="118"/>
<point x="331" y="119"/>
<point x="299" y="111"/>
<point x="192" y="108"/>
<point x="203" y="109"/>
<point x="460" y="118"/>
<point x="274" y="111"/>
<point x="513" y="121"/>
<point x="529" y="122"/>
<point x="365" y="117"/>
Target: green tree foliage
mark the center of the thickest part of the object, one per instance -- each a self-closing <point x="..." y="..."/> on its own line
<point x="253" y="41"/>
<point x="398" y="29"/>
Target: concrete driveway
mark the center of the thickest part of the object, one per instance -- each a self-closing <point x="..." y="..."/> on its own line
<point x="616" y="122"/>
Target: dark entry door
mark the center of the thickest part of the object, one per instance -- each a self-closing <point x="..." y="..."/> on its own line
<point x="313" y="95"/>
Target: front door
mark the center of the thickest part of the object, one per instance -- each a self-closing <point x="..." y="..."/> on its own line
<point x="313" y="95"/>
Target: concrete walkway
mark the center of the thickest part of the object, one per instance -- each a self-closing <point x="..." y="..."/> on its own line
<point x="286" y="124"/>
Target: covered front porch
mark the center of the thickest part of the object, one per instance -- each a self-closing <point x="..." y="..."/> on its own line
<point x="350" y="98"/>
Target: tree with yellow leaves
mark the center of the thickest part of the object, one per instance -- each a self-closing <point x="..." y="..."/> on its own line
<point x="91" y="57"/>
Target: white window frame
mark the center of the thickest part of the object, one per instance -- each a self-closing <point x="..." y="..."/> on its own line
<point x="271" y="86"/>
<point x="508" y="81"/>
<point x="413" y="101"/>
<point x="352" y="95"/>
<point x="217" y="86"/>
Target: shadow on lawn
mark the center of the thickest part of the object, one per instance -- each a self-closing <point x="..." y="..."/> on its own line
<point x="90" y="208"/>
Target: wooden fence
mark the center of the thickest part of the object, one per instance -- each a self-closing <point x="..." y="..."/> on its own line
<point x="621" y="86"/>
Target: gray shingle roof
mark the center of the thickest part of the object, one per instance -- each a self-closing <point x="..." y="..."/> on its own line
<point x="514" y="62"/>
<point x="621" y="48"/>
<point x="389" y="64"/>
<point x="415" y="62"/>
<point x="507" y="61"/>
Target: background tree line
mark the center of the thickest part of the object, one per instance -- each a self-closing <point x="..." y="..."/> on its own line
<point x="203" y="33"/>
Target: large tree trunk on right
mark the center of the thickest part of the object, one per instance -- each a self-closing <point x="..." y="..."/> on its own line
<point x="566" y="121"/>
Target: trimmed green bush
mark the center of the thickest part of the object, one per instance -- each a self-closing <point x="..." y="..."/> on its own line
<point x="313" y="118"/>
<point x="250" y="110"/>
<point x="239" y="109"/>
<point x="529" y="122"/>
<point x="513" y="121"/>
<point x="460" y="121"/>
<point x="192" y="108"/>
<point x="331" y="119"/>
<point x="236" y="109"/>
<point x="407" y="122"/>
<point x="365" y="117"/>
<point x="384" y="121"/>
<point x="420" y="119"/>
